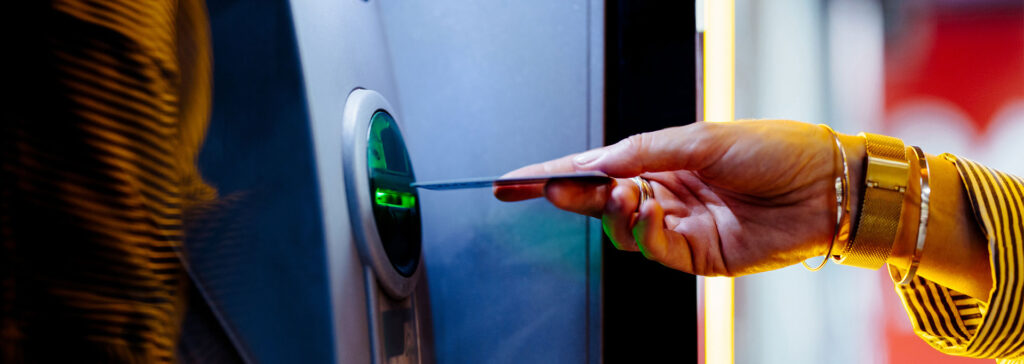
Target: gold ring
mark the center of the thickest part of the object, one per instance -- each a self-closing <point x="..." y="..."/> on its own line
<point x="646" y="191"/>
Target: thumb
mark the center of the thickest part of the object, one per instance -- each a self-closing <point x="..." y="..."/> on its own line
<point x="678" y="148"/>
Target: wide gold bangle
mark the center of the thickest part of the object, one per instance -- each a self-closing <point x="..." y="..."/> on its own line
<point x="885" y="183"/>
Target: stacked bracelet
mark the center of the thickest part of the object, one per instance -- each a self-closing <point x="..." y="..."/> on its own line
<point x="885" y="181"/>
<point x="922" y="225"/>
<point x="842" y="183"/>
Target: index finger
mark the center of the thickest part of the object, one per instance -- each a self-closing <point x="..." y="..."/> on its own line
<point x="525" y="192"/>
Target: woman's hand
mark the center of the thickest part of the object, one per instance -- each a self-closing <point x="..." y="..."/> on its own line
<point x="729" y="198"/>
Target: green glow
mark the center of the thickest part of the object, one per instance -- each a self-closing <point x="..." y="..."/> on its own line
<point x="392" y="198"/>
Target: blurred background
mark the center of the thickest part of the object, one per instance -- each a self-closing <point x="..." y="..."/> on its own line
<point x="947" y="75"/>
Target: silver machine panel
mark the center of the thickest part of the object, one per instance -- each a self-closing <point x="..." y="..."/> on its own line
<point x="486" y="87"/>
<point x="290" y="260"/>
<point x="342" y="52"/>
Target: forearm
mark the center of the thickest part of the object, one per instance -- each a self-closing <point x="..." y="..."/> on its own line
<point x="955" y="253"/>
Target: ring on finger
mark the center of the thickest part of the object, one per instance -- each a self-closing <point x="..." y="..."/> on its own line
<point x="646" y="191"/>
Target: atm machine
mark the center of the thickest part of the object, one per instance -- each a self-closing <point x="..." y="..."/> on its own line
<point x="312" y="252"/>
<point x="316" y="249"/>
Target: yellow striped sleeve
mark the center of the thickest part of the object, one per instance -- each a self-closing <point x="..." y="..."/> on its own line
<point x="957" y="324"/>
<point x="97" y="173"/>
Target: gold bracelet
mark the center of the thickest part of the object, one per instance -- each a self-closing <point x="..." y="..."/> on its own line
<point x="842" y="228"/>
<point x="922" y="224"/>
<point x="885" y="183"/>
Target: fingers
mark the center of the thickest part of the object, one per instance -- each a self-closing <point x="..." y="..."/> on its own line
<point x="513" y="193"/>
<point x="649" y="231"/>
<point x="654" y="241"/>
<point x="628" y="228"/>
<point x="685" y="147"/>
<point x="618" y="217"/>
<point x="581" y="197"/>
<point x="525" y="192"/>
<point x="690" y="147"/>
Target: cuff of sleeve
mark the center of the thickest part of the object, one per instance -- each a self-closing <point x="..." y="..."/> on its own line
<point x="958" y="324"/>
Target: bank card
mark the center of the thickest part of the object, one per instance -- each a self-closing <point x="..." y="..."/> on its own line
<point x="481" y="182"/>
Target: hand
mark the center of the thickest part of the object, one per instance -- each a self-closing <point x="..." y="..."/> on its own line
<point x="729" y="198"/>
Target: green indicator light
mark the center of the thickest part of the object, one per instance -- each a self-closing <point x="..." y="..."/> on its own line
<point x="392" y="198"/>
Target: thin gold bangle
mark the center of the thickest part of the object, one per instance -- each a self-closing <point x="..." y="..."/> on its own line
<point x="922" y="225"/>
<point x="842" y="228"/>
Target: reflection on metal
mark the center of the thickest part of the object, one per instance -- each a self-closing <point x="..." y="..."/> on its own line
<point x="719" y="70"/>
<point x="486" y="87"/>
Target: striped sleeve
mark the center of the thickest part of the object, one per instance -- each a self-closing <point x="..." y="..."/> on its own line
<point x="957" y="324"/>
<point x="98" y="139"/>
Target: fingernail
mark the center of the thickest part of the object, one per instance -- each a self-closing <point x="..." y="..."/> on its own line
<point x="588" y="157"/>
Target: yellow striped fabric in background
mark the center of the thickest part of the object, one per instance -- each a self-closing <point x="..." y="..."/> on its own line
<point x="98" y="143"/>
<point x="955" y="323"/>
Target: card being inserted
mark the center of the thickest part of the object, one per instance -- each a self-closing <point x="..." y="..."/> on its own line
<point x="455" y="184"/>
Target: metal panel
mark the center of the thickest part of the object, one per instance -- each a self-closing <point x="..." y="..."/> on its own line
<point x="257" y="253"/>
<point x="486" y="87"/>
<point x="342" y="47"/>
<point x="275" y="255"/>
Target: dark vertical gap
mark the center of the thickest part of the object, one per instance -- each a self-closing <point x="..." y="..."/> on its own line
<point x="649" y="310"/>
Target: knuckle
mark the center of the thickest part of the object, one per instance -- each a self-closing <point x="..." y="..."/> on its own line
<point x="638" y="145"/>
<point x="549" y="167"/>
<point x="702" y="128"/>
<point x="700" y="125"/>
